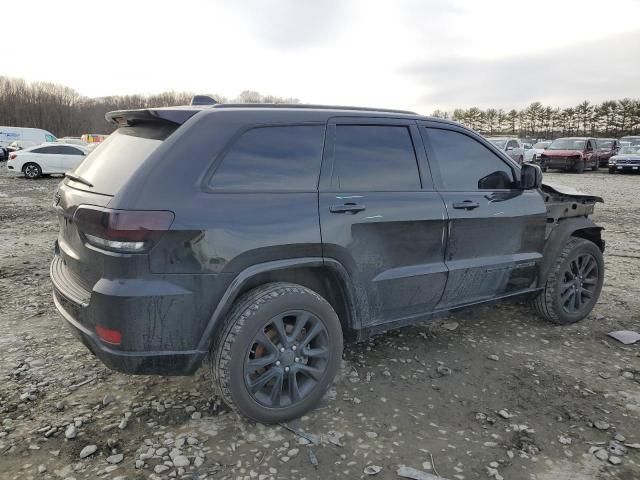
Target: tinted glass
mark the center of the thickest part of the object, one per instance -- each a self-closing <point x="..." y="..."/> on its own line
<point x="273" y="158"/>
<point x="69" y="150"/>
<point x="467" y="165"/>
<point x="374" y="158"/>
<point x="47" y="150"/>
<point x="119" y="156"/>
<point x="43" y="150"/>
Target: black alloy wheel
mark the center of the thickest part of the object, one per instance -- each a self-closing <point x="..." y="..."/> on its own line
<point x="286" y="359"/>
<point x="579" y="284"/>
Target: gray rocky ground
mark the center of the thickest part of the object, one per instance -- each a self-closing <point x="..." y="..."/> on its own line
<point x="519" y="398"/>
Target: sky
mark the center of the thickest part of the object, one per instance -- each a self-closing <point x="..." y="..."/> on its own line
<point x="420" y="55"/>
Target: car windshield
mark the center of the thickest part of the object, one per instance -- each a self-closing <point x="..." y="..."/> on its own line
<point x="498" y="142"/>
<point x="633" y="141"/>
<point x="635" y="150"/>
<point x="604" y="144"/>
<point x="567" y="144"/>
<point x="541" y="145"/>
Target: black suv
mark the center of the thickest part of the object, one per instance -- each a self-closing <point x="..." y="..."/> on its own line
<point x="258" y="237"/>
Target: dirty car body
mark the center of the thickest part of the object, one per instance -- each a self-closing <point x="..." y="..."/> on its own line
<point x="183" y="212"/>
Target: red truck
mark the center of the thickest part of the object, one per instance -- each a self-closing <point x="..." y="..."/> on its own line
<point x="572" y="153"/>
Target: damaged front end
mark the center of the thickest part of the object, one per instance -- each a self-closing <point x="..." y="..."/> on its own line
<point x="564" y="202"/>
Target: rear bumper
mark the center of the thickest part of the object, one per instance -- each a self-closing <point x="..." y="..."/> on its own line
<point x="161" y="321"/>
<point x="135" y="363"/>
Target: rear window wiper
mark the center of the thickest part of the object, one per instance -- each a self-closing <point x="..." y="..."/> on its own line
<point x="78" y="179"/>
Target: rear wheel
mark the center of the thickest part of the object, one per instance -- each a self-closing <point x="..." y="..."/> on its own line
<point x="278" y="352"/>
<point x="32" y="170"/>
<point x="574" y="283"/>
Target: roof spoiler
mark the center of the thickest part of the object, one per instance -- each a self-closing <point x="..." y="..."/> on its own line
<point x="128" y="118"/>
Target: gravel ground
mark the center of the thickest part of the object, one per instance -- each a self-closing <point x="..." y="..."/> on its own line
<point x="488" y="393"/>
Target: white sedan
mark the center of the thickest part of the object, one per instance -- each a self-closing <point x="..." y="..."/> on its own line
<point x="533" y="154"/>
<point x="45" y="159"/>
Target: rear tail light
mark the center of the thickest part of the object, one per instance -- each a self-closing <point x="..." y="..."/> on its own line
<point x="107" y="335"/>
<point x="12" y="156"/>
<point x="125" y="231"/>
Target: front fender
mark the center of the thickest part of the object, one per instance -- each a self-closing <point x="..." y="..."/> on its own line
<point x="582" y="227"/>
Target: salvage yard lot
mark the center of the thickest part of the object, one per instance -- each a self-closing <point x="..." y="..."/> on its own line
<point x="482" y="394"/>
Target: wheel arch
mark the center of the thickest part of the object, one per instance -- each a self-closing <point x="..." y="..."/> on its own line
<point x="582" y="227"/>
<point x="327" y="277"/>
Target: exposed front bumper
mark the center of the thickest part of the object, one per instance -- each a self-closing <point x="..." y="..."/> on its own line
<point x="559" y="163"/>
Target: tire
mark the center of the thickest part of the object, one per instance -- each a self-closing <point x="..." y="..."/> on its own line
<point x="32" y="170"/>
<point x="612" y="170"/>
<point x="251" y="345"/>
<point x="583" y="260"/>
<point x="596" y="166"/>
<point x="580" y="166"/>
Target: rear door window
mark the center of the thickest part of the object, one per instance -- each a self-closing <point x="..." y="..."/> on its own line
<point x="374" y="158"/>
<point x="273" y="158"/>
<point x="110" y="165"/>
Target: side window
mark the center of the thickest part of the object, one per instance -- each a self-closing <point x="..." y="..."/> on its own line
<point x="49" y="138"/>
<point x="273" y="158"/>
<point x="68" y="150"/>
<point x="467" y="165"/>
<point x="47" y="150"/>
<point x="374" y="158"/>
<point x="589" y="145"/>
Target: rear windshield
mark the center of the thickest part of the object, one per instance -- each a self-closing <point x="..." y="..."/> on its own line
<point x="119" y="156"/>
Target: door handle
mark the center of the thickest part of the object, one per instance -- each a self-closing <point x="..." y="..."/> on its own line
<point x="347" y="208"/>
<point x="466" y="205"/>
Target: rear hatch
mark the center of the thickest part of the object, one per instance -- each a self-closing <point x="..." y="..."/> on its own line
<point x="90" y="188"/>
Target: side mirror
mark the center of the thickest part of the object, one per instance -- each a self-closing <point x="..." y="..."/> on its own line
<point x="530" y="176"/>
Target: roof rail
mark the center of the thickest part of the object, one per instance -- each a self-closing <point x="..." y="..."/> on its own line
<point x="309" y="106"/>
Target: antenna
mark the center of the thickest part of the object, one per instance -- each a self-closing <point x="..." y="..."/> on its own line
<point x="203" y="100"/>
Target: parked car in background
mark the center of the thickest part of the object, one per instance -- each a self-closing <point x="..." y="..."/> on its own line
<point x="46" y="159"/>
<point x="607" y="148"/>
<point x="279" y="240"/>
<point x="533" y="155"/>
<point x="89" y="138"/>
<point x="626" y="160"/>
<point x="571" y="153"/>
<point x="73" y="141"/>
<point x="22" y="137"/>
<point x="511" y="146"/>
<point x="630" y="141"/>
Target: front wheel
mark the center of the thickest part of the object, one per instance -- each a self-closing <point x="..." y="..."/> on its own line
<point x="580" y="166"/>
<point x="574" y="283"/>
<point x="32" y="171"/>
<point x="278" y="352"/>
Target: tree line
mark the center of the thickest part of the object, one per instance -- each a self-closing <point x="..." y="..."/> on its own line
<point x="612" y="118"/>
<point x="64" y="112"/>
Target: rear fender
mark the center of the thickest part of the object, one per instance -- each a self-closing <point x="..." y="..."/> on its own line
<point x="244" y="278"/>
